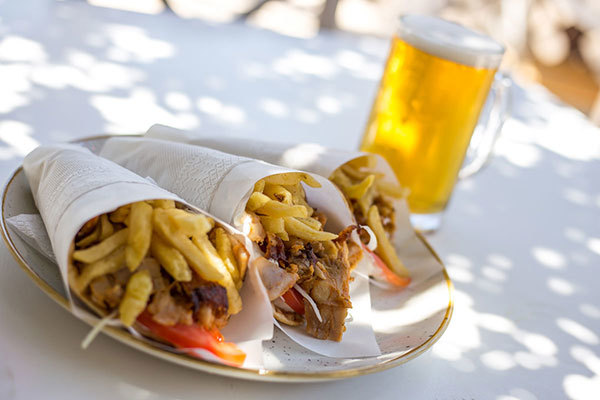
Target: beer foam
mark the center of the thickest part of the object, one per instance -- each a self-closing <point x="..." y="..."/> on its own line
<point x="450" y="41"/>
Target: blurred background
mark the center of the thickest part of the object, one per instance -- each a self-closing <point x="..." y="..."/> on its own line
<point x="553" y="42"/>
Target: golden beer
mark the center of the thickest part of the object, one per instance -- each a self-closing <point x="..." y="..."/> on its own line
<point x="427" y="107"/>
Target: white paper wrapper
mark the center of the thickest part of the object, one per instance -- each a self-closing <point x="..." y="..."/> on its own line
<point x="312" y="157"/>
<point x="70" y="185"/>
<point x="222" y="183"/>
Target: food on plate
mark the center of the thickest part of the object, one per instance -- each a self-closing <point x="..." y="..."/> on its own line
<point x="308" y="281"/>
<point x="172" y="274"/>
<point x="371" y="199"/>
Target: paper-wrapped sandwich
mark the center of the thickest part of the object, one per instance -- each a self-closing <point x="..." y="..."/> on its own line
<point x="300" y="222"/>
<point x="367" y="181"/>
<point x="136" y="253"/>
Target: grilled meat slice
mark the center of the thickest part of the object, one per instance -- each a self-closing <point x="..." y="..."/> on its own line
<point x="169" y="311"/>
<point x="332" y="327"/>
<point x="277" y="280"/>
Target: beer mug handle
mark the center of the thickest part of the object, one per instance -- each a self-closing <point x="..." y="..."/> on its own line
<point x="495" y="111"/>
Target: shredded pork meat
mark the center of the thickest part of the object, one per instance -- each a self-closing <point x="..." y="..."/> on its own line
<point x="322" y="269"/>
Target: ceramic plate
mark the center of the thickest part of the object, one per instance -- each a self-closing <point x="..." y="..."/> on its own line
<point x="418" y="315"/>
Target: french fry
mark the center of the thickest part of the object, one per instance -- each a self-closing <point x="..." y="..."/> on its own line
<point x="341" y="179"/>
<point x="170" y="259"/>
<point x="274" y="225"/>
<point x="311" y="223"/>
<point x="291" y="178"/>
<point x="120" y="214"/>
<point x="368" y="162"/>
<point x="259" y="186"/>
<point x="109" y="264"/>
<point x="137" y="293"/>
<point x="162" y="203"/>
<point x="390" y="189"/>
<point x="276" y="209"/>
<point x="241" y="258"/>
<point x="296" y="228"/>
<point x="385" y="250"/>
<point x="189" y="223"/>
<point x="196" y="258"/>
<point x="225" y="251"/>
<point x="106" y="228"/>
<point x="279" y="193"/>
<point x="102" y="249"/>
<point x="299" y="196"/>
<point x="202" y="242"/>
<point x="89" y="239"/>
<point x="360" y="189"/>
<point x="257" y="200"/>
<point x="140" y="234"/>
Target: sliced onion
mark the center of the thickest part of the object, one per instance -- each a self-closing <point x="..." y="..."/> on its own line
<point x="310" y="301"/>
<point x="89" y="338"/>
<point x="372" y="245"/>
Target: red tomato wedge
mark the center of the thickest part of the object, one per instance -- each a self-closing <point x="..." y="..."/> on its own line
<point x="295" y="300"/>
<point x="388" y="274"/>
<point x="188" y="337"/>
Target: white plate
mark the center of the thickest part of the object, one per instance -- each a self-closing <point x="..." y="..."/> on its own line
<point x="428" y="306"/>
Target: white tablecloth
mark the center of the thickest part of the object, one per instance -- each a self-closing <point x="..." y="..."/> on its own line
<point x="521" y="239"/>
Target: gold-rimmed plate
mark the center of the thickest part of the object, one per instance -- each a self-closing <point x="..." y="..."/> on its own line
<point x="416" y="316"/>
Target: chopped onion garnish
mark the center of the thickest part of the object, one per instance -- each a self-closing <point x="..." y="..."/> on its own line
<point x="372" y="245"/>
<point x="96" y="330"/>
<point x="310" y="301"/>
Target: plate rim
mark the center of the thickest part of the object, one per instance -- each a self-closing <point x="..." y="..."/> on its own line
<point x="214" y="368"/>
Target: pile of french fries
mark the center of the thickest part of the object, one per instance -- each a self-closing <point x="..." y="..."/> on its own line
<point x="182" y="242"/>
<point x="279" y="201"/>
<point x="362" y="186"/>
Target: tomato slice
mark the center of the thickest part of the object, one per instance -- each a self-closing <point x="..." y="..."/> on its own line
<point x="189" y="337"/>
<point x="295" y="300"/>
<point x="388" y="274"/>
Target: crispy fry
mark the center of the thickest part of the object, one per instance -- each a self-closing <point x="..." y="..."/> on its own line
<point x="274" y="225"/>
<point x="140" y="233"/>
<point x="162" y="203"/>
<point x="391" y="189"/>
<point x="120" y="214"/>
<point x="279" y="193"/>
<point x="311" y="223"/>
<point x="276" y="209"/>
<point x="241" y="258"/>
<point x="189" y="223"/>
<point x="225" y="251"/>
<point x="106" y="228"/>
<point x="89" y="239"/>
<point x="111" y="263"/>
<point x="385" y="250"/>
<point x="360" y="189"/>
<point x="88" y="227"/>
<point x="299" y="196"/>
<point x="291" y="178"/>
<point x="296" y="228"/>
<point x="259" y="186"/>
<point x="235" y="302"/>
<point x="135" y="298"/>
<point x="102" y="249"/>
<point x="170" y="259"/>
<point x="368" y="162"/>
<point x="256" y="201"/>
<point x="196" y="258"/>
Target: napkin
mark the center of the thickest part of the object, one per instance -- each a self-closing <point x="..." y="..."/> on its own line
<point x="222" y="183"/>
<point x="70" y="185"/>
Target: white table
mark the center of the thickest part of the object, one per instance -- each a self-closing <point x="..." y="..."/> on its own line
<point x="521" y="239"/>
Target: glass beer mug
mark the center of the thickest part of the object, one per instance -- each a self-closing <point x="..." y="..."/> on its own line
<point x="434" y="87"/>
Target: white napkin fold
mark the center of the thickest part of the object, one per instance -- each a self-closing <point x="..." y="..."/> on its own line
<point x="222" y="183"/>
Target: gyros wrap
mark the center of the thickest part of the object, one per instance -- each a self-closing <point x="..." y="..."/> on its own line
<point x="142" y="257"/>
<point x="300" y="222"/>
<point x="366" y="180"/>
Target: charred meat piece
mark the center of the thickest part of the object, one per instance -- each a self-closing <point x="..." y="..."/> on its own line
<point x="166" y="310"/>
